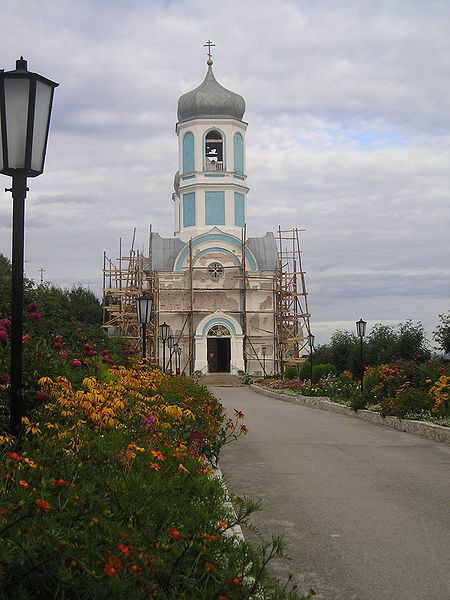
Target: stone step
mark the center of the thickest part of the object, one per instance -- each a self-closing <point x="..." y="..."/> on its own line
<point x="221" y="380"/>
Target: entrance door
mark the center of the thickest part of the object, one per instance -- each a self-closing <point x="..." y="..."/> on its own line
<point x="219" y="355"/>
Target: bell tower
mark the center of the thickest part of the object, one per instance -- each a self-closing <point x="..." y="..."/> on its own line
<point x="210" y="185"/>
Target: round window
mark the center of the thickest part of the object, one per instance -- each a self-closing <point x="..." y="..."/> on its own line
<point x="215" y="270"/>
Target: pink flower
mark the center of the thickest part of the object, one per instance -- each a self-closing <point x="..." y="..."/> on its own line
<point x="76" y="362"/>
<point x="105" y="352"/>
<point x="108" y="361"/>
<point x="78" y="330"/>
<point x="87" y="347"/>
<point x="5" y="324"/>
<point x="3" y="334"/>
<point x="42" y="396"/>
<point x="56" y="345"/>
<point x="4" y="378"/>
<point x="58" y="338"/>
<point x="25" y="338"/>
<point x="91" y="353"/>
<point x="64" y="354"/>
<point x="32" y="307"/>
<point x="34" y="316"/>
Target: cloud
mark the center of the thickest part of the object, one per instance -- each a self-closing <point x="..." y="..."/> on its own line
<point x="348" y="137"/>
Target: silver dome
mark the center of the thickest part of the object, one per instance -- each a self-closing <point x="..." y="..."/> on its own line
<point x="210" y="99"/>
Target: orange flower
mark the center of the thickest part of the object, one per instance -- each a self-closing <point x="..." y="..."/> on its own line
<point x="124" y="549"/>
<point x="222" y="598"/>
<point x="109" y="570"/>
<point x="24" y="484"/>
<point x="43" y="504"/>
<point x="155" y="466"/>
<point x="134" y="568"/>
<point x="236" y="581"/>
<point x="208" y="537"/>
<point x="61" y="483"/>
<point x="174" y="533"/>
<point x="157" y="455"/>
<point x="94" y="521"/>
<point x="14" y="456"/>
<point x="183" y="469"/>
<point x="222" y="524"/>
<point x="239" y="414"/>
<point x="209" y="567"/>
<point x="4" y="512"/>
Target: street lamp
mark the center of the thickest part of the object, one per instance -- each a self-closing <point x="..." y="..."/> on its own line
<point x="177" y="350"/>
<point x="281" y="346"/>
<point x="311" y="347"/>
<point x="25" y="108"/>
<point x="263" y="352"/>
<point x="164" y="331"/>
<point x="361" y="331"/>
<point x="144" y="316"/>
<point x="170" y="344"/>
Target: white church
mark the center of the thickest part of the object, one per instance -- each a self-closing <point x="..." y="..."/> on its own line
<point x="233" y="303"/>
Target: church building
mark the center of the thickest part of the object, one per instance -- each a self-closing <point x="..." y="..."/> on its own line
<point x="233" y="303"/>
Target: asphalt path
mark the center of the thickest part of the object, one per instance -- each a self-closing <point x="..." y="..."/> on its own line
<point x="364" y="510"/>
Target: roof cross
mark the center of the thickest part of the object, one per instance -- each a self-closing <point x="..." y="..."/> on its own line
<point x="209" y="44"/>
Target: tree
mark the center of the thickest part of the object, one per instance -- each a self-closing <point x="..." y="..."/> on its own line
<point x="442" y="333"/>
<point x="412" y="343"/>
<point x="382" y="344"/>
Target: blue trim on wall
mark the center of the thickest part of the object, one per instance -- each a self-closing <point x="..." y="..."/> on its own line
<point x="189" y="209"/>
<point x="214" y="174"/>
<point x="218" y="321"/>
<point x="187" y="176"/>
<point x="216" y="237"/>
<point x="188" y="152"/>
<point x="239" y="212"/>
<point x="238" y="151"/>
<point x="214" y="208"/>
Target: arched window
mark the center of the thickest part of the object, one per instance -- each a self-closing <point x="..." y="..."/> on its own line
<point x="214" y="151"/>
<point x="238" y="147"/>
<point x="219" y="331"/>
<point x="188" y="153"/>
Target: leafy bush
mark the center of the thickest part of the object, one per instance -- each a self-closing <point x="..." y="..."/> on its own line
<point x="290" y="372"/>
<point x="322" y="370"/>
<point x="110" y="495"/>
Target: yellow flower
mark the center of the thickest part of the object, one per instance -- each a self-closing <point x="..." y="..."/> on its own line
<point x="32" y="428"/>
<point x="183" y="469"/>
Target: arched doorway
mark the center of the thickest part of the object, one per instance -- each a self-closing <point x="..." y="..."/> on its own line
<point x="219" y="349"/>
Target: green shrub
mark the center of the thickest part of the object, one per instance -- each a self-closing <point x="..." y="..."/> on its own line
<point x="290" y="372"/>
<point x="322" y="370"/>
<point x="305" y="371"/>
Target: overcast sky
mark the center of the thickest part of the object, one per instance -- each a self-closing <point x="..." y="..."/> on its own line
<point x="348" y="138"/>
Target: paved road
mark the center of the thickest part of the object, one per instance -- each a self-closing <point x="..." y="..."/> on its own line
<point x="364" y="510"/>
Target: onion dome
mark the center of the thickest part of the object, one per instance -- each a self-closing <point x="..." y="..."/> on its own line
<point x="210" y="99"/>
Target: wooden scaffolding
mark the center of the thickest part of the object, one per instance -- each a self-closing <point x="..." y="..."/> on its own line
<point x="132" y="275"/>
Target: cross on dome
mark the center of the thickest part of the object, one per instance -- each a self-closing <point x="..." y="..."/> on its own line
<point x="209" y="44"/>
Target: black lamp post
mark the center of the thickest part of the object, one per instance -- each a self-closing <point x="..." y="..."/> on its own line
<point x="281" y="346"/>
<point x="25" y="108"/>
<point x="170" y="344"/>
<point x="164" y="331"/>
<point x="311" y="347"/>
<point x="177" y="350"/>
<point x="263" y="352"/>
<point x="361" y="331"/>
<point x="144" y="316"/>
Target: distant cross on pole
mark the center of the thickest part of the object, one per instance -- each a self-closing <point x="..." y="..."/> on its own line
<point x="42" y="271"/>
<point x="209" y="44"/>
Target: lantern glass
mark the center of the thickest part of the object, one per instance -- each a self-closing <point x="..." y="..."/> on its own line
<point x="164" y="330"/>
<point x="179" y="350"/>
<point x="144" y="309"/>
<point x="44" y="94"/>
<point x="361" y="328"/>
<point x="311" y="338"/>
<point x="170" y="341"/>
<point x="263" y="350"/>
<point x="17" y="94"/>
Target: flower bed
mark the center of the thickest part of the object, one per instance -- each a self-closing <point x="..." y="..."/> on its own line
<point x="109" y="494"/>
<point x="405" y="389"/>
